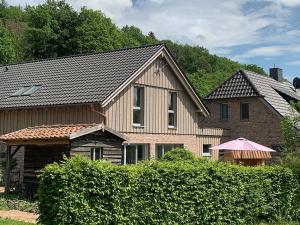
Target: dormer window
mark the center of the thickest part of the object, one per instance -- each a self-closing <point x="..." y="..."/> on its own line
<point x="26" y="91"/>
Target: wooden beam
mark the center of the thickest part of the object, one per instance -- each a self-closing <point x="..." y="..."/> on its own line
<point x="7" y="170"/>
<point x="38" y="142"/>
<point x="15" y="151"/>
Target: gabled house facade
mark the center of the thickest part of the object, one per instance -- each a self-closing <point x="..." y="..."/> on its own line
<point x="139" y="97"/>
<point x="252" y="105"/>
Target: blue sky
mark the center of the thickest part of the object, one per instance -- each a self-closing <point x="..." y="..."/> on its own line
<point x="263" y="32"/>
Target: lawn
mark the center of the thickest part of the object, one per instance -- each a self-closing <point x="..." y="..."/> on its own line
<point x="13" y="222"/>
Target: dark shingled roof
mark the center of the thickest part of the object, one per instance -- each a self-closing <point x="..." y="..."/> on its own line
<point x="249" y="84"/>
<point x="75" y="79"/>
<point x="237" y="85"/>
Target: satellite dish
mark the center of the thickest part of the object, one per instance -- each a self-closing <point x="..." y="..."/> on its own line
<point x="296" y="82"/>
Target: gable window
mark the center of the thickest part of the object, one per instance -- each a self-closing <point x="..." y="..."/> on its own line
<point x="244" y="111"/>
<point x="138" y="103"/>
<point x="206" y="152"/>
<point x="161" y="149"/>
<point x="96" y="153"/>
<point x="135" y="153"/>
<point x="172" y="104"/>
<point x="224" y="112"/>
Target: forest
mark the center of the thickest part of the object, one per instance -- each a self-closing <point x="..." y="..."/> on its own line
<point x="55" y="29"/>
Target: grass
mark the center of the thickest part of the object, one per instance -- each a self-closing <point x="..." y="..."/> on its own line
<point x="17" y="202"/>
<point x="13" y="222"/>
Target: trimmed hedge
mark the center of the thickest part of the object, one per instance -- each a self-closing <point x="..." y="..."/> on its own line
<point x="80" y="192"/>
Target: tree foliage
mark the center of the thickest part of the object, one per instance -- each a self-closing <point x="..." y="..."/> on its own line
<point x="54" y="29"/>
<point x="8" y="49"/>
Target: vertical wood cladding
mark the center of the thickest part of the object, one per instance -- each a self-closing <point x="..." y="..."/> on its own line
<point x="158" y="80"/>
<point x="12" y="120"/>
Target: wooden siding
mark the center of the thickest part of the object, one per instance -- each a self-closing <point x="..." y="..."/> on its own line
<point x="16" y="119"/>
<point x="157" y="83"/>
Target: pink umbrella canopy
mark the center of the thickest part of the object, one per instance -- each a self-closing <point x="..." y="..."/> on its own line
<point x="242" y="144"/>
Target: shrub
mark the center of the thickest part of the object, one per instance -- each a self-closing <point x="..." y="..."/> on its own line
<point x="81" y="191"/>
<point x="178" y="154"/>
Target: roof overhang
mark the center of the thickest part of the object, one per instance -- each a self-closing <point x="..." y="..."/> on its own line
<point x="54" y="134"/>
<point x="163" y="52"/>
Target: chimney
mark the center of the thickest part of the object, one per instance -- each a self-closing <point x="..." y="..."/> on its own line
<point x="276" y="74"/>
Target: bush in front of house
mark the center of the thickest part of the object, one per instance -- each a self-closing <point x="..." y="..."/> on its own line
<point x="178" y="154"/>
<point x="81" y="191"/>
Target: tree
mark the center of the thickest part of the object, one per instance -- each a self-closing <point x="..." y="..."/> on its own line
<point x="290" y="130"/>
<point x="133" y="36"/>
<point x="95" y="32"/>
<point x="51" y="29"/>
<point x="8" y="53"/>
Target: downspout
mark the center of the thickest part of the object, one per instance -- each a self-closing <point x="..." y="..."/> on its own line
<point x="99" y="113"/>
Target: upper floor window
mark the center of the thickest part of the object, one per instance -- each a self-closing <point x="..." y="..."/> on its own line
<point x="138" y="103"/>
<point x="224" y="112"/>
<point x="244" y="111"/>
<point x="172" y="100"/>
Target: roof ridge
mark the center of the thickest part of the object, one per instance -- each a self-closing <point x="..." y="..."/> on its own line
<point x="163" y="44"/>
<point x="60" y="125"/>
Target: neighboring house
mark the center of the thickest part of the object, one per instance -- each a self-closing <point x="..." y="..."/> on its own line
<point x="124" y="106"/>
<point x="252" y="106"/>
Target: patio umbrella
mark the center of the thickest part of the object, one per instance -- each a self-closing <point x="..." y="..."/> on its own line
<point x="242" y="144"/>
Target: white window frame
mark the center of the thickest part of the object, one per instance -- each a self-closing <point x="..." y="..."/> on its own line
<point x="205" y="154"/>
<point x="146" y="146"/>
<point x="163" y="148"/>
<point x="172" y="111"/>
<point x="139" y="108"/>
<point x="93" y="153"/>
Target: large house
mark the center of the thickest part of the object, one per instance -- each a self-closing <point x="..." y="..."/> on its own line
<point x="124" y="106"/>
<point x="252" y="106"/>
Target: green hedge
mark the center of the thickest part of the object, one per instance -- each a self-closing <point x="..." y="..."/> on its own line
<point x="80" y="192"/>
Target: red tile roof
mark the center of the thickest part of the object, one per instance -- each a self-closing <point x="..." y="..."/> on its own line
<point x="45" y="132"/>
<point x="251" y="155"/>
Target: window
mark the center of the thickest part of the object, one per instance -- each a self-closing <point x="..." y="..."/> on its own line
<point x="172" y="100"/>
<point x="96" y="153"/>
<point x="244" y="111"/>
<point x="31" y="90"/>
<point x="138" y="102"/>
<point x="26" y="91"/>
<point x="206" y="150"/>
<point x="224" y="112"/>
<point x="135" y="153"/>
<point x="161" y="149"/>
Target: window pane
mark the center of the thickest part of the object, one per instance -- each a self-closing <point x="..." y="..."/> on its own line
<point x="97" y="153"/>
<point x="31" y="90"/>
<point x="137" y="97"/>
<point x="142" y="152"/>
<point x="171" y="119"/>
<point x="137" y="116"/>
<point x="244" y="111"/>
<point x="21" y="91"/>
<point x="130" y="154"/>
<point x="206" y="148"/>
<point x="224" y="111"/>
<point x="159" y="151"/>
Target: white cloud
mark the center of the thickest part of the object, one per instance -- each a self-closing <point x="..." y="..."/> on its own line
<point x="112" y="8"/>
<point x="289" y="3"/>
<point x="293" y="63"/>
<point x="271" y="51"/>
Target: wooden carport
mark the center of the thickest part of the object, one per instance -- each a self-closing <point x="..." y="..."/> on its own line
<point x="47" y="144"/>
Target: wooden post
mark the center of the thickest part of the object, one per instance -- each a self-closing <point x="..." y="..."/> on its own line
<point x="7" y="170"/>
